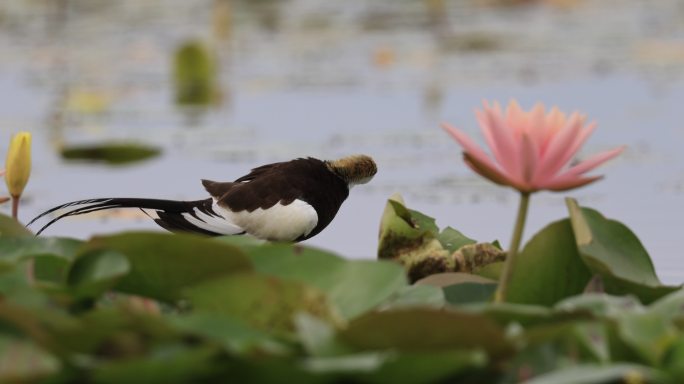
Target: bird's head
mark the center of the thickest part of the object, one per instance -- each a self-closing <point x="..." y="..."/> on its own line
<point x="356" y="169"/>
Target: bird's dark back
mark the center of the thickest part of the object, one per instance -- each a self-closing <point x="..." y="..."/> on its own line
<point x="307" y="179"/>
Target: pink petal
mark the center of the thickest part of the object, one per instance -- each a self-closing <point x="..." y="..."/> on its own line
<point x="468" y="145"/>
<point x="515" y="116"/>
<point x="566" y="183"/>
<point x="536" y="125"/>
<point x="528" y="159"/>
<point x="559" y="150"/>
<point x="581" y="137"/>
<point x="507" y="147"/>
<point x="593" y="162"/>
<point x="577" y="143"/>
<point x="554" y="121"/>
<point x="493" y="174"/>
<point x="488" y="134"/>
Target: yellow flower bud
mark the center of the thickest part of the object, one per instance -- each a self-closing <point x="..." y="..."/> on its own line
<point x="18" y="163"/>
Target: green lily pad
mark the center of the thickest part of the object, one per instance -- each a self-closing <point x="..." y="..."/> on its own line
<point x="469" y="293"/>
<point x="15" y="249"/>
<point x="600" y="305"/>
<point x="549" y="268"/>
<point x="114" y="153"/>
<point x="611" y="250"/>
<point x="164" y="364"/>
<point x="352" y="286"/>
<point x="318" y="337"/>
<point x="97" y="271"/>
<point x="452" y="239"/>
<point x="15" y="287"/>
<point x="12" y="228"/>
<point x="403" y="232"/>
<point x="452" y="278"/>
<point x="162" y="264"/>
<point x="507" y="313"/>
<point x="670" y="307"/>
<point x="674" y="361"/>
<point x="598" y="374"/>
<point x="648" y="335"/>
<point x="23" y="361"/>
<point x="638" y="333"/>
<point x="50" y="270"/>
<point x="416" y="296"/>
<point x="460" y="288"/>
<point x="262" y="302"/>
<point x="232" y="333"/>
<point x="414" y="240"/>
<point x="555" y="345"/>
<point x="490" y="271"/>
<point x="420" y="329"/>
<point x="393" y="367"/>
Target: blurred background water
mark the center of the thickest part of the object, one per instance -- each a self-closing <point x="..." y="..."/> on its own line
<point x="319" y="78"/>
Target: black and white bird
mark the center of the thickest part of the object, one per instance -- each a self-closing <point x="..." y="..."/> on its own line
<point x="287" y="201"/>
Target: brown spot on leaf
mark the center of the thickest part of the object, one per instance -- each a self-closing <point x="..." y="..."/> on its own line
<point x="426" y="267"/>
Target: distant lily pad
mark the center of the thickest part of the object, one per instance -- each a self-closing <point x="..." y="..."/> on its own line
<point x="116" y="153"/>
<point x="195" y="75"/>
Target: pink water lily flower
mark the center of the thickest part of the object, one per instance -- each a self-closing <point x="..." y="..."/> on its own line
<point x="531" y="150"/>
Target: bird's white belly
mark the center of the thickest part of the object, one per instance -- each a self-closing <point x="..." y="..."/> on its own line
<point x="277" y="223"/>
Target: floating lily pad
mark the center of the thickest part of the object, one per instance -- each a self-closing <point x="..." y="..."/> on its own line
<point x="111" y="153"/>
<point x="195" y="75"/>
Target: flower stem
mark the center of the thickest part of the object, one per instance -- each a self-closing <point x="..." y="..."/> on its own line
<point x="513" y="250"/>
<point x="15" y="207"/>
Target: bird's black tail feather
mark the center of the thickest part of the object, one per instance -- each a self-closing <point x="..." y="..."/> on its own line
<point x="170" y="213"/>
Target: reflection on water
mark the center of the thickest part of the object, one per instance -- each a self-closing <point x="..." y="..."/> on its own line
<point x="323" y="78"/>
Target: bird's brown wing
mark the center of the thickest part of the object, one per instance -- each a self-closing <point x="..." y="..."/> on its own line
<point x="260" y="171"/>
<point x="216" y="188"/>
<point x="261" y="193"/>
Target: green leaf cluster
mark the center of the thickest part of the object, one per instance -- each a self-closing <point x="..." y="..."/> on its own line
<point x="414" y="240"/>
<point x="585" y="306"/>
